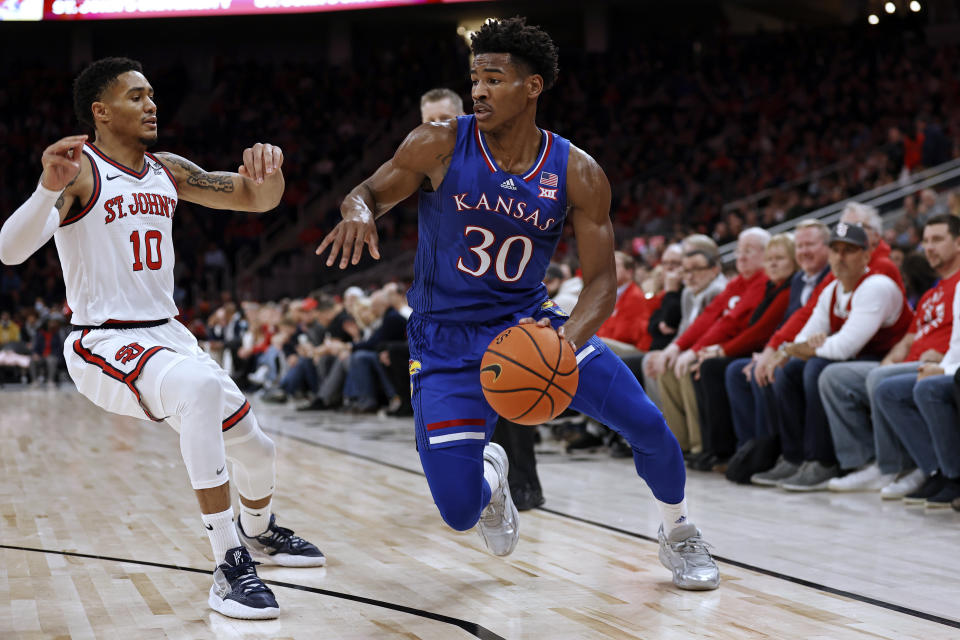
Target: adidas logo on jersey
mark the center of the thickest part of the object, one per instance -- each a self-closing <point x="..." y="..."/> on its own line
<point x="508" y="184"/>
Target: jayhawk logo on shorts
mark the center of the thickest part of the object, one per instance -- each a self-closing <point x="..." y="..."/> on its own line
<point x="415" y="367"/>
<point x="554" y="307"/>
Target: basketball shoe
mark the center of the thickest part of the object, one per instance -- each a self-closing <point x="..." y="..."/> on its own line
<point x="499" y="523"/>
<point x="238" y="592"/>
<point x="278" y="545"/>
<point x="686" y="555"/>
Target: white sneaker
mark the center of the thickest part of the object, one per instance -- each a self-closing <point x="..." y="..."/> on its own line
<point x="868" y="478"/>
<point x="906" y="483"/>
<point x="260" y="375"/>
<point x="499" y="523"/>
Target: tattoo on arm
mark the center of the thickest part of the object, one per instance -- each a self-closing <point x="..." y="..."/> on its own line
<point x="197" y="177"/>
<point x="61" y="199"/>
<point x="212" y="181"/>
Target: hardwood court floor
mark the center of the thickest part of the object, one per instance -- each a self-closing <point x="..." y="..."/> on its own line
<point x="100" y="538"/>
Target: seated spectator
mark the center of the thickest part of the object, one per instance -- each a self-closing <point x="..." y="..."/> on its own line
<point x="47" y="354"/>
<point x="853" y="214"/>
<point x="627" y="325"/>
<point x="861" y="314"/>
<point x="703" y="281"/>
<point x="739" y="333"/>
<point x="865" y="440"/>
<point x="329" y="330"/>
<point x="367" y="378"/>
<point x="752" y="405"/>
<point x="676" y="386"/>
<point x="12" y="348"/>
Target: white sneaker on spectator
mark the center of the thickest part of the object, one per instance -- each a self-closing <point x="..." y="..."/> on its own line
<point x="868" y="478"/>
<point x="904" y="484"/>
<point x="260" y="375"/>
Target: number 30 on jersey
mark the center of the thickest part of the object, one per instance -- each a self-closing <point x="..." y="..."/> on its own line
<point x="487" y="239"/>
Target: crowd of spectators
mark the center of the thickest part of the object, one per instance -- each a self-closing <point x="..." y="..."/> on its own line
<point x="863" y="380"/>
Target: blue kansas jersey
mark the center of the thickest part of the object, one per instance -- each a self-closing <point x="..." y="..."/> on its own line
<point x="487" y="236"/>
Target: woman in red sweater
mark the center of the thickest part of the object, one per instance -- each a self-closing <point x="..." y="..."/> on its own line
<point x="735" y="336"/>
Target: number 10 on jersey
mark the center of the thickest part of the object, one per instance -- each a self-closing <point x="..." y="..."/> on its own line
<point x="151" y="249"/>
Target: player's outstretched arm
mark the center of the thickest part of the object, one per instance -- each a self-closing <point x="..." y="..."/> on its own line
<point x="588" y="193"/>
<point x="425" y="153"/>
<point x="65" y="178"/>
<point x="257" y="185"/>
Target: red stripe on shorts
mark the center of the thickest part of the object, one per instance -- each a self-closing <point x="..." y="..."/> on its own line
<point x="463" y="422"/>
<point x="237" y="416"/>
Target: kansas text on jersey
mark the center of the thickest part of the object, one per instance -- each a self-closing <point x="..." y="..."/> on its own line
<point x="486" y="236"/>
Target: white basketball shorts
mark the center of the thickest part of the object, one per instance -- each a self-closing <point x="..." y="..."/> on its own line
<point x="121" y="370"/>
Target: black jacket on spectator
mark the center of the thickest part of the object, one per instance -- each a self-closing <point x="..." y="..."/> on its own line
<point x="392" y="329"/>
<point x="670" y="314"/>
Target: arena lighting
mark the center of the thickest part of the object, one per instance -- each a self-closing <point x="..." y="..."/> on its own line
<point x="890" y="7"/>
<point x="915" y="6"/>
<point x="873" y="19"/>
<point x="467" y="28"/>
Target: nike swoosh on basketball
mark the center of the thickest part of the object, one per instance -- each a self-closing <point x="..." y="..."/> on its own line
<point x="220" y="470"/>
<point x="113" y="177"/>
<point x="495" y="368"/>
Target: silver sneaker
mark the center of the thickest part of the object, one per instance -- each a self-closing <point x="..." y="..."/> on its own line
<point x="499" y="524"/>
<point x="686" y="555"/>
<point x="771" y="478"/>
<point x="812" y="476"/>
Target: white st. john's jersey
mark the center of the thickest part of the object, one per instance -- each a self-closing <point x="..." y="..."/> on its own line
<point x="116" y="251"/>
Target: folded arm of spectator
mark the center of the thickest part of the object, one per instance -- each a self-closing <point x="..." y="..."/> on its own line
<point x="876" y="300"/>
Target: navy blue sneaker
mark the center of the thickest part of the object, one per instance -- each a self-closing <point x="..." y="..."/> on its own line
<point x="238" y="592"/>
<point x="278" y="545"/>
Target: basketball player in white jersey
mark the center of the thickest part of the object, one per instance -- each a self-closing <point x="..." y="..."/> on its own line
<point x="109" y="204"/>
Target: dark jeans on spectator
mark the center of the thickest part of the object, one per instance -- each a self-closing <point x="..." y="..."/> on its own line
<point x="301" y="376"/>
<point x="366" y="379"/>
<point x="716" y="425"/>
<point x="804" y="431"/>
<point x="751" y="406"/>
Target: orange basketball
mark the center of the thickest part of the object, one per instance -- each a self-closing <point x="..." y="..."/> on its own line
<point x="529" y="374"/>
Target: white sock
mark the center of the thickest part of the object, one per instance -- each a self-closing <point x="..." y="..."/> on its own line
<point x="673" y="515"/>
<point x="222" y="533"/>
<point x="491" y="476"/>
<point x="255" y="521"/>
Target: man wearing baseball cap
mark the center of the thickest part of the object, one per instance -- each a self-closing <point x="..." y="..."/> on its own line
<point x="860" y="315"/>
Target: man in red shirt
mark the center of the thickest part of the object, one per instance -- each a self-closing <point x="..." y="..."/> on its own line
<point x="853" y="213"/>
<point x="627" y="325"/>
<point x="742" y="293"/>
<point x="865" y="440"/>
<point x="861" y="314"/>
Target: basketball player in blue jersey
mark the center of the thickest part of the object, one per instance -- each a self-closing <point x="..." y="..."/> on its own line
<point x="496" y="193"/>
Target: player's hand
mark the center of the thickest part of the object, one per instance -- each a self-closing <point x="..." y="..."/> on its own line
<point x="348" y="237"/>
<point x="259" y="161"/>
<point x="545" y="322"/>
<point x="61" y="162"/>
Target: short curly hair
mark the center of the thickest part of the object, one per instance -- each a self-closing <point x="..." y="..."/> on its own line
<point x="528" y="45"/>
<point x="92" y="81"/>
